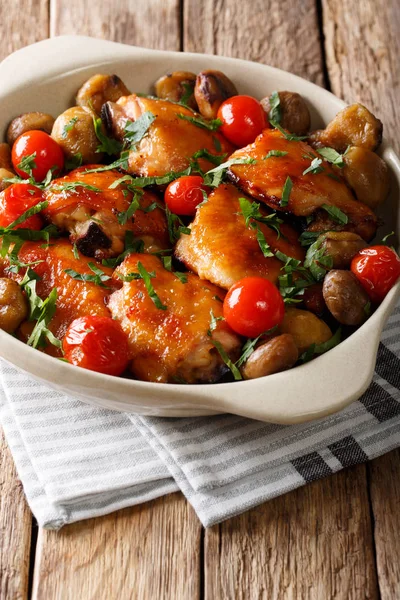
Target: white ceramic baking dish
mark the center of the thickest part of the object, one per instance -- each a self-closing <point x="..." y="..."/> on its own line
<point x="45" y="77"/>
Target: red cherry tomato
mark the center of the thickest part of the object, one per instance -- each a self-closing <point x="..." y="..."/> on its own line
<point x="98" y="344"/>
<point x="377" y="268"/>
<point x="252" y="306"/>
<point x="47" y="153"/>
<point x="243" y="119"/>
<point x="183" y="195"/>
<point x="15" y="200"/>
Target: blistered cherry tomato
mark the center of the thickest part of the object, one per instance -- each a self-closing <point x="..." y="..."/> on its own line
<point x="183" y="195"/>
<point x="252" y="306"/>
<point x="47" y="154"/>
<point x="377" y="268"/>
<point x="15" y="200"/>
<point x="98" y="344"/>
<point x="243" y="119"/>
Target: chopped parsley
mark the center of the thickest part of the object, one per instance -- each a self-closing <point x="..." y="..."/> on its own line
<point x="72" y="186"/>
<point x="221" y="350"/>
<point x="204" y="153"/>
<point x="211" y="125"/>
<point x="315" y="167"/>
<point x="287" y="188"/>
<point x="276" y="153"/>
<point x="251" y="210"/>
<point x="317" y="261"/>
<point x="131" y="246"/>
<point x="28" y="163"/>
<point x="215" y="176"/>
<point x="316" y="349"/>
<point x="181" y="276"/>
<point x="124" y="217"/>
<point x="98" y="277"/>
<point x="214" y="321"/>
<point x="120" y="163"/>
<point x="187" y="94"/>
<point x="262" y="242"/>
<point x="74" y="162"/>
<point x="275" y="113"/>
<point x="134" y="131"/>
<point x="141" y="182"/>
<point x="336" y="214"/>
<point x="75" y="251"/>
<point x="68" y="127"/>
<point x="175" y="226"/>
<point x="107" y="145"/>
<point x="332" y="156"/>
<point x="289" y="136"/>
<point x="385" y="239"/>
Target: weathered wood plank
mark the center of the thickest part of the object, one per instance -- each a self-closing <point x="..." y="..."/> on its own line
<point x="152" y="24"/>
<point x="281" y="33"/>
<point x="25" y="23"/>
<point x="15" y="530"/>
<point x="315" y="542"/>
<point x="384" y="477"/>
<point x="148" y="551"/>
<point x="362" y="49"/>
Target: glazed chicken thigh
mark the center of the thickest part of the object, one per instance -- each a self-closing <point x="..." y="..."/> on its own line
<point x="223" y="249"/>
<point x="265" y="180"/>
<point x="74" y="298"/>
<point x="171" y="139"/>
<point x="169" y="342"/>
<point x="90" y="213"/>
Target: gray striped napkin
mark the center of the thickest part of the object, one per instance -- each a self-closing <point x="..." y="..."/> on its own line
<point x="76" y="461"/>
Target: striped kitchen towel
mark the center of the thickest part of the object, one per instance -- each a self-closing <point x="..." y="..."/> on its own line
<point x="76" y="461"/>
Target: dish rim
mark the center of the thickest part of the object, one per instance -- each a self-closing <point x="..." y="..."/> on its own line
<point x="207" y="397"/>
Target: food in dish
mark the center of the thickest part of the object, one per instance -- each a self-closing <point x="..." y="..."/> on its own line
<point x="193" y="236"/>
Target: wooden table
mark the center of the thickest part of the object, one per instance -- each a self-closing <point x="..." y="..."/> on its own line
<point x="335" y="538"/>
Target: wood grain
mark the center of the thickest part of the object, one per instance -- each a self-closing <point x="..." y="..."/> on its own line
<point x="23" y="23"/>
<point x="15" y="530"/>
<point x="362" y="45"/>
<point x="148" y="23"/>
<point x="384" y="477"/>
<point x="313" y="543"/>
<point x="148" y="551"/>
<point x="266" y="32"/>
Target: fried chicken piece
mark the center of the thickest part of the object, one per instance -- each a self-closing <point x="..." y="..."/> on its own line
<point x="266" y="178"/>
<point x="91" y="216"/>
<point x="74" y="298"/>
<point x="170" y="141"/>
<point x="223" y="249"/>
<point x="172" y="344"/>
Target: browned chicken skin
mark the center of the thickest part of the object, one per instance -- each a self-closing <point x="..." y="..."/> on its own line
<point x="265" y="180"/>
<point x="170" y="141"/>
<point x="222" y="249"/>
<point x="74" y="298"/>
<point x="92" y="217"/>
<point x="172" y="344"/>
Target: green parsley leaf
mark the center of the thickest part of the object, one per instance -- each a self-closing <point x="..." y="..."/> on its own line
<point x="74" y="162"/>
<point x="214" y="321"/>
<point x="68" y="127"/>
<point x="317" y="261"/>
<point x="215" y="176"/>
<point x="167" y="262"/>
<point x="332" y="156"/>
<point x="385" y="239"/>
<point x="211" y="125"/>
<point x="251" y="210"/>
<point x="175" y="226"/>
<point x="276" y="153"/>
<point x="131" y="246"/>
<point x="98" y="278"/>
<point x="75" y="251"/>
<point x="146" y="276"/>
<point x="212" y="158"/>
<point x="141" y="182"/>
<point x="134" y="131"/>
<point x="315" y="167"/>
<point x="262" y="242"/>
<point x="72" y="186"/>
<point x="124" y="217"/>
<point x="316" y="349"/>
<point x="225" y="357"/>
<point x="120" y="163"/>
<point x="308" y="237"/>
<point x="367" y="309"/>
<point x="45" y="310"/>
<point x="287" y="188"/>
<point x="275" y="113"/>
<point x="34" y="210"/>
<point x="289" y="136"/>
<point x="181" y="276"/>
<point x="28" y="163"/>
<point x="217" y="144"/>
<point x="107" y="145"/>
<point x="249" y="347"/>
<point x="336" y="214"/>
<point x="188" y="93"/>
